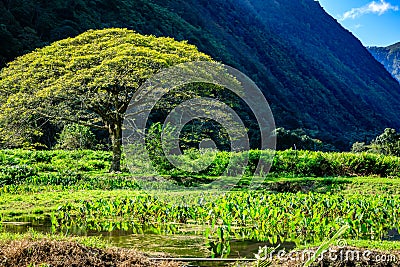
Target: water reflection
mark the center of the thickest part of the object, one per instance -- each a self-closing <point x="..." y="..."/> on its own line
<point x="176" y="240"/>
<point x="187" y="241"/>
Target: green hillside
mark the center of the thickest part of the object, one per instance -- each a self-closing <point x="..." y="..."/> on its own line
<point x="389" y="57"/>
<point x="315" y="74"/>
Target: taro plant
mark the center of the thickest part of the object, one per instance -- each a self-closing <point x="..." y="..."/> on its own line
<point x="275" y="218"/>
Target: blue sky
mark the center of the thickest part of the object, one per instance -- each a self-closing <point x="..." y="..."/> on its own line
<point x="374" y="23"/>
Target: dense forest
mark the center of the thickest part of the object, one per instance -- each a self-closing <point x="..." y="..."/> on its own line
<point x="316" y="75"/>
<point x="389" y="57"/>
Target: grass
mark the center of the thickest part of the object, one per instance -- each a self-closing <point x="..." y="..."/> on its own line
<point x="42" y="204"/>
<point x="344" y="185"/>
<point x="46" y="199"/>
<point x="32" y="236"/>
<point x="40" y="182"/>
<point x="378" y="245"/>
<point x="41" y="201"/>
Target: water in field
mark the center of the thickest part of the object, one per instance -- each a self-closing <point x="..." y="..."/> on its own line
<point x="175" y="240"/>
<point x="189" y="242"/>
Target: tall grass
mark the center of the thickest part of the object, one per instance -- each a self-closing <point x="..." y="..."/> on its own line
<point x="69" y="167"/>
<point x="81" y="169"/>
<point x="299" y="163"/>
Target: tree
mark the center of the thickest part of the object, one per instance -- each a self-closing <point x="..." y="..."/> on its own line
<point x="298" y="139"/>
<point x="359" y="147"/>
<point x="89" y="79"/>
<point x="388" y="143"/>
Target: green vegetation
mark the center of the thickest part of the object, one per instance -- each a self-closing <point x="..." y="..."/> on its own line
<point x="71" y="93"/>
<point x="58" y="167"/>
<point x="380" y="245"/>
<point x="18" y="202"/>
<point x="298" y="139"/>
<point x="92" y="242"/>
<point x="388" y="143"/>
<point x="282" y="217"/>
<point x="290" y="162"/>
<point x="90" y="79"/>
<point x="75" y="136"/>
<point x="325" y="68"/>
<point x="299" y="209"/>
<point x="35" y="171"/>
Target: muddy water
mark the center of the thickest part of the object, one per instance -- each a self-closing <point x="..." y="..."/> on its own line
<point x="189" y="243"/>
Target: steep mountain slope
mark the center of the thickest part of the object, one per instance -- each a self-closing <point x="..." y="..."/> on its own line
<point x="389" y="57"/>
<point x="315" y="74"/>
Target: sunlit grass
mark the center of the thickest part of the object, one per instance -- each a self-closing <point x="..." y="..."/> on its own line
<point x="92" y="241"/>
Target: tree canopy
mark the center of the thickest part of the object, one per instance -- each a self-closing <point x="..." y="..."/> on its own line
<point x="89" y="79"/>
<point x="387" y="143"/>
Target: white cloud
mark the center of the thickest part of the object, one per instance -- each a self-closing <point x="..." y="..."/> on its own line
<point x="373" y="7"/>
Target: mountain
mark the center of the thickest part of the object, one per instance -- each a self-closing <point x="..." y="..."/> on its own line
<point x="389" y="57"/>
<point x="315" y="74"/>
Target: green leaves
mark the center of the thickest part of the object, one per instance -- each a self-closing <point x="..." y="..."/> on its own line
<point x="75" y="136"/>
<point x="86" y="79"/>
<point x="288" y="162"/>
<point x="276" y="218"/>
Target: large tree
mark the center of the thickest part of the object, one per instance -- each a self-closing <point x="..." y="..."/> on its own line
<point x="89" y="79"/>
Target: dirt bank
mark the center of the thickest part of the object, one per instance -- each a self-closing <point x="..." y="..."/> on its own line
<point x="71" y="254"/>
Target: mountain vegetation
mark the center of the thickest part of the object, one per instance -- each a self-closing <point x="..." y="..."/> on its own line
<point x="316" y="75"/>
<point x="389" y="57"/>
<point x="387" y="143"/>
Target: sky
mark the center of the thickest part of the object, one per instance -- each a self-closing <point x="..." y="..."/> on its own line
<point x="374" y="23"/>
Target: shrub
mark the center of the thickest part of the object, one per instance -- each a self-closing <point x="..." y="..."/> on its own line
<point x="75" y="136"/>
<point x="18" y="165"/>
<point x="66" y="178"/>
<point x="300" y="163"/>
<point x="16" y="174"/>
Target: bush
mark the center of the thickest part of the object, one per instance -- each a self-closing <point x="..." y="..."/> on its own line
<point x="18" y="165"/>
<point x="219" y="165"/>
<point x="66" y="178"/>
<point x="57" y="160"/>
<point x="388" y="143"/>
<point x="299" y="163"/>
<point x="75" y="136"/>
<point x="16" y="174"/>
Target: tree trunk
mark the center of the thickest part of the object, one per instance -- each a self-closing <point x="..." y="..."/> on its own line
<point x="115" y="131"/>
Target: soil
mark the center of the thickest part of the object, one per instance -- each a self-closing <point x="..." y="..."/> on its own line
<point x="71" y="254"/>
